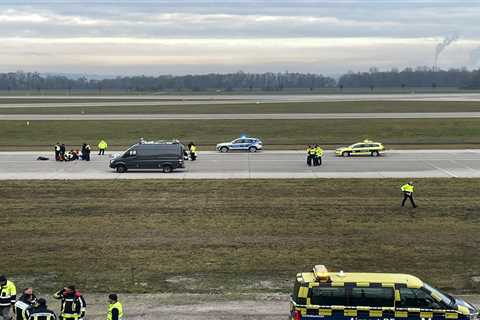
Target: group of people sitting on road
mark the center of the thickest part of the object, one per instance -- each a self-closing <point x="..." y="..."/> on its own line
<point x="314" y="155"/>
<point x="74" y="154"/>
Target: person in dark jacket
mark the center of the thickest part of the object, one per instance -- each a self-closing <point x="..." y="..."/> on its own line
<point x="73" y="304"/>
<point x="63" y="149"/>
<point x="26" y="301"/>
<point x="86" y="152"/>
<point x="41" y="312"/>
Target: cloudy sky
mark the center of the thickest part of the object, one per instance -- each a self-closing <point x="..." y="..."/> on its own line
<point x="179" y="37"/>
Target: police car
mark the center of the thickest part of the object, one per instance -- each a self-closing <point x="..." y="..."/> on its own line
<point x="365" y="148"/>
<point x="325" y="295"/>
<point x="242" y="143"/>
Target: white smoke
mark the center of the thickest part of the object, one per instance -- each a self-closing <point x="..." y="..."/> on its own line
<point x="448" y="40"/>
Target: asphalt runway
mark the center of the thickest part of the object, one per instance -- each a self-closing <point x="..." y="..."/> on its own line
<point x="265" y="165"/>
<point x="246" y="116"/>
<point x="159" y="100"/>
<point x="221" y="98"/>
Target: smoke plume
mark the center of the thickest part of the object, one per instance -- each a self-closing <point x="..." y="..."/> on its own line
<point x="448" y="40"/>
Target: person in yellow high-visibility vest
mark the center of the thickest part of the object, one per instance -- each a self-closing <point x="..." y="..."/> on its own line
<point x="102" y="146"/>
<point x="318" y="155"/>
<point x="408" y="190"/>
<point x="8" y="297"/>
<point x="193" y="151"/>
<point x="115" y="308"/>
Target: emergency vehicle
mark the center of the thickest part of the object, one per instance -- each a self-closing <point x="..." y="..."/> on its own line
<point x="321" y="294"/>
<point x="365" y="148"/>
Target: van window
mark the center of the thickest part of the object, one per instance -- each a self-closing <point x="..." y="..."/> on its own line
<point x="328" y="296"/>
<point x="417" y="298"/>
<point x="372" y="297"/>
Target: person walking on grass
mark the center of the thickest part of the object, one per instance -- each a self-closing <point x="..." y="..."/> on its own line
<point x="408" y="190"/>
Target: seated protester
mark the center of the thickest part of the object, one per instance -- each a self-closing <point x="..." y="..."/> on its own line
<point x="26" y="301"/>
<point x="74" y="155"/>
<point x="41" y="312"/>
<point x="68" y="156"/>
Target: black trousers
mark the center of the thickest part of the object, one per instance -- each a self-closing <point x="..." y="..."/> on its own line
<point x="309" y="160"/>
<point x="408" y="195"/>
<point x="101" y="151"/>
<point x="193" y="156"/>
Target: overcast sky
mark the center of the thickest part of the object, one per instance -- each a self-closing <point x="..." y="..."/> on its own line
<point x="178" y="37"/>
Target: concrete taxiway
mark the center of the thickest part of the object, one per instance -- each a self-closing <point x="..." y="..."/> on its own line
<point x="261" y="165"/>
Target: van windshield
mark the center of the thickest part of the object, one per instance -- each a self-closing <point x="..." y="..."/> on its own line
<point x="446" y="299"/>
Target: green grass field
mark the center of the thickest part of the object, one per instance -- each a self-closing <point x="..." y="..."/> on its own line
<point x="276" y="134"/>
<point x="234" y="236"/>
<point x="290" y="107"/>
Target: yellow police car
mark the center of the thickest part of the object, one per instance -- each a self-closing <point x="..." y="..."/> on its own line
<point x="367" y="147"/>
<point x="325" y="295"/>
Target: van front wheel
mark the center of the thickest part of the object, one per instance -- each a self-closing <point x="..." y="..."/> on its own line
<point x="121" y="169"/>
<point x="167" y="168"/>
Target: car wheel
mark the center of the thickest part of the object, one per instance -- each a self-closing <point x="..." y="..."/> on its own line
<point x="252" y="149"/>
<point x="346" y="154"/>
<point x="375" y="153"/>
<point x="224" y="149"/>
<point x="121" y="169"/>
<point x="167" y="168"/>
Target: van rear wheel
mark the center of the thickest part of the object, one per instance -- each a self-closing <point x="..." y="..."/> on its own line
<point x="167" y="168"/>
<point x="252" y="149"/>
<point x="121" y="169"/>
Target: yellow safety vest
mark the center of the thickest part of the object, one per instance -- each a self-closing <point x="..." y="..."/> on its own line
<point x="7" y="293"/>
<point x="319" y="151"/>
<point x="193" y="149"/>
<point x="117" y="305"/>
<point x="407" y="188"/>
<point x="102" y="145"/>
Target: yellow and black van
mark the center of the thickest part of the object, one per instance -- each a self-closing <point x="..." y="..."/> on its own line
<point x="374" y="296"/>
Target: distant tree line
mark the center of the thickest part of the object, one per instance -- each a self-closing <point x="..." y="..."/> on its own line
<point x="419" y="77"/>
<point x="414" y="78"/>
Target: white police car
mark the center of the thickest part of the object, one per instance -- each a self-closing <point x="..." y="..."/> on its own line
<point x="243" y="143"/>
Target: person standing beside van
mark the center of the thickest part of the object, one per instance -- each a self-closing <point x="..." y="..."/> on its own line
<point x="193" y="151"/>
<point x="102" y="146"/>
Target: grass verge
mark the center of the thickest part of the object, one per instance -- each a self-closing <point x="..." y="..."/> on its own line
<point x="275" y="133"/>
<point x="234" y="236"/>
<point x="247" y="108"/>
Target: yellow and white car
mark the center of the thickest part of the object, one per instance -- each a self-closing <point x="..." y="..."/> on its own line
<point x="365" y="148"/>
